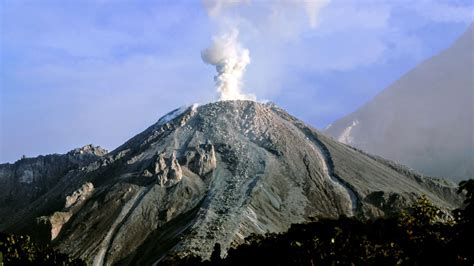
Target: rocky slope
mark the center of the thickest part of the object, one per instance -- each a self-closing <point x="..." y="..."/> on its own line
<point x="425" y="120"/>
<point x="216" y="174"/>
<point x="29" y="178"/>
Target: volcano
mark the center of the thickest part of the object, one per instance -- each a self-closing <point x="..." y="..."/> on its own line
<point x="425" y="120"/>
<point x="211" y="174"/>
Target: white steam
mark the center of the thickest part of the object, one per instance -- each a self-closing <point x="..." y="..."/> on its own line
<point x="312" y="8"/>
<point x="226" y="53"/>
<point x="230" y="60"/>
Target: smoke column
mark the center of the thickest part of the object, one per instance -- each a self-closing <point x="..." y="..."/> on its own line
<point x="230" y="60"/>
<point x="226" y="53"/>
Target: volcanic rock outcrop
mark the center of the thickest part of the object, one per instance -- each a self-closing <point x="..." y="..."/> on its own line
<point x="216" y="174"/>
<point x="29" y="178"/>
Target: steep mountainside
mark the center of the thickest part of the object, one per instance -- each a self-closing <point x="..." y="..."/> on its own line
<point x="424" y="120"/>
<point x="29" y="178"/>
<point x="216" y="174"/>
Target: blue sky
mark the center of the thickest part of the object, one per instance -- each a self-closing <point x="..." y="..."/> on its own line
<point x="84" y="71"/>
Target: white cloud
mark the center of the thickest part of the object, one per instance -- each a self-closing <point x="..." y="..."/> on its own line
<point x="215" y="8"/>
<point x="345" y="16"/>
<point x="445" y="12"/>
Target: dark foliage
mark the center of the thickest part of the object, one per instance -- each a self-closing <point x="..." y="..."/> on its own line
<point x="467" y="214"/>
<point x="421" y="235"/>
<point x="21" y="250"/>
<point x="465" y="222"/>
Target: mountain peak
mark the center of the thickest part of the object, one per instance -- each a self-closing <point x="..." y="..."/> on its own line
<point x="217" y="173"/>
<point x="88" y="149"/>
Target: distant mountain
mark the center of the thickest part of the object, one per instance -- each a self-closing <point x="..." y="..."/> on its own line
<point x="214" y="174"/>
<point x="425" y="120"/>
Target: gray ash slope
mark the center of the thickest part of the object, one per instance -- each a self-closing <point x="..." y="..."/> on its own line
<point x="425" y="120"/>
<point x="216" y="174"/>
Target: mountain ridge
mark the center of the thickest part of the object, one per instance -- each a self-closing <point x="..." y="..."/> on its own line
<point x="30" y="178"/>
<point x="216" y="173"/>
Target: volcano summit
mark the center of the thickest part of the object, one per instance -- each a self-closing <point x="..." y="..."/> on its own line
<point x="214" y="174"/>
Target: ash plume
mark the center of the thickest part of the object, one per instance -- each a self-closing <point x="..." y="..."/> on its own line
<point x="230" y="60"/>
<point x="226" y="52"/>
